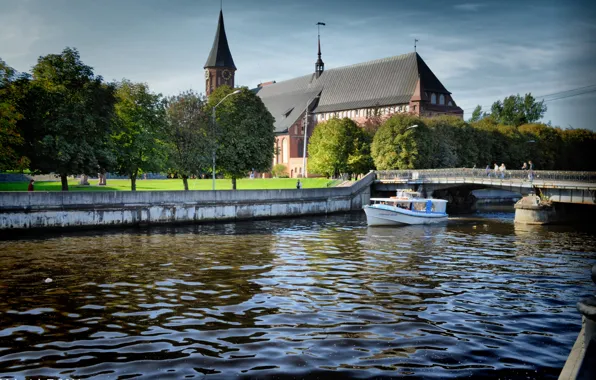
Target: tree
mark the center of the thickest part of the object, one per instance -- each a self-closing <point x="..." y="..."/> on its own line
<point x="339" y="146"/>
<point x="515" y="110"/>
<point x="10" y="138"/>
<point x="188" y="135"/>
<point x="139" y="132"/>
<point x="477" y="114"/>
<point x="399" y="145"/>
<point x="244" y="133"/>
<point x="68" y="116"/>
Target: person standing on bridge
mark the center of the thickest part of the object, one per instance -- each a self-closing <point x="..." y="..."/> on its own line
<point x="496" y="170"/>
<point x="530" y="171"/>
<point x="502" y="170"/>
<point x="524" y="166"/>
<point x="488" y="170"/>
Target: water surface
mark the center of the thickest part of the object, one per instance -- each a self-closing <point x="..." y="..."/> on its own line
<point x="310" y="297"/>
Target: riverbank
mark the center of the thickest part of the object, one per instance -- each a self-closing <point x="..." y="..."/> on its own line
<point x="39" y="210"/>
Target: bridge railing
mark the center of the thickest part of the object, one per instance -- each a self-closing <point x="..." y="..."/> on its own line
<point x="428" y="174"/>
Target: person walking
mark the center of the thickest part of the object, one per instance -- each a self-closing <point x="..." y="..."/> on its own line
<point x="530" y="171"/>
<point x="299" y="185"/>
<point x="30" y="187"/>
<point x="496" y="170"/>
<point x="502" y="170"/>
<point x="487" y="170"/>
<point x="524" y="166"/>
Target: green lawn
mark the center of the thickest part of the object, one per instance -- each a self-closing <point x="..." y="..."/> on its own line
<point x="175" y="184"/>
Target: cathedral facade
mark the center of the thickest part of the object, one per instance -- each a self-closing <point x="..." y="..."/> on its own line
<point x="399" y="84"/>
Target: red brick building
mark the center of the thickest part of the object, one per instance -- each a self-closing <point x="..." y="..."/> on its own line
<point x="399" y="84"/>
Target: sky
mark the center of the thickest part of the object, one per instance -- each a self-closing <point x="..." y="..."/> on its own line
<point x="481" y="51"/>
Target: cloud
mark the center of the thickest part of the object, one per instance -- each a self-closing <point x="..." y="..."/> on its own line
<point x="469" y="7"/>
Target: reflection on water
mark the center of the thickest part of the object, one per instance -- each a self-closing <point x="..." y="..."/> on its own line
<point x="478" y="296"/>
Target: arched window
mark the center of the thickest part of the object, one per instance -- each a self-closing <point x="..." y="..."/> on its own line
<point x="442" y="100"/>
<point x="284" y="150"/>
<point x="450" y="104"/>
<point x="433" y="98"/>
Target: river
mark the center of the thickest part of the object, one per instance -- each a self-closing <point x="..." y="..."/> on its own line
<point x="312" y="297"/>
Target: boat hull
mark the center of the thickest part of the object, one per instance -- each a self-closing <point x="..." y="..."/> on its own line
<point x="385" y="217"/>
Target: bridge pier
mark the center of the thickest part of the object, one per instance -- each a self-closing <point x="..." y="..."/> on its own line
<point x="532" y="210"/>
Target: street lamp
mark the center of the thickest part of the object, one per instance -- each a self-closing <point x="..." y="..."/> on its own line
<point x="305" y="136"/>
<point x="213" y="116"/>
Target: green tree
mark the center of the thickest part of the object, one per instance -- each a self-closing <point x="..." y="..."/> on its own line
<point x="578" y="146"/>
<point x="515" y="110"/>
<point x="245" y="134"/>
<point x="139" y="131"/>
<point x="477" y="114"/>
<point x="544" y="145"/>
<point x="188" y="135"/>
<point x="399" y="145"/>
<point x="68" y="116"/>
<point x="10" y="137"/>
<point x="339" y="146"/>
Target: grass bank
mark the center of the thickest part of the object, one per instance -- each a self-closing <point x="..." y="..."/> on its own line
<point x="175" y="184"/>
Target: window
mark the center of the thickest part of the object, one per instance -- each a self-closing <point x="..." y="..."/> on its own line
<point x="442" y="100"/>
<point x="407" y="108"/>
<point x="433" y="98"/>
<point x="284" y="150"/>
<point x="450" y="104"/>
<point x="300" y="147"/>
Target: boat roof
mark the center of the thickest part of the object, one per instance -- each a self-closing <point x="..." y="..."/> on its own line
<point x="417" y="200"/>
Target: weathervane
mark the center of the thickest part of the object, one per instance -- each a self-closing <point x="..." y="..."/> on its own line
<point x="415" y="40"/>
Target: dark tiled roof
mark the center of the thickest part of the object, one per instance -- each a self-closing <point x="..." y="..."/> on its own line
<point x="375" y="83"/>
<point x="220" y="55"/>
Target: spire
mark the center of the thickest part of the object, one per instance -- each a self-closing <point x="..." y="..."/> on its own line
<point x="220" y="55"/>
<point x="319" y="65"/>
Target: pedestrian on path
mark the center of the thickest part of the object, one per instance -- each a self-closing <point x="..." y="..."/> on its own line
<point x="502" y="170"/>
<point x="530" y="171"/>
<point x="487" y="170"/>
<point x="30" y="187"/>
<point x="496" y="169"/>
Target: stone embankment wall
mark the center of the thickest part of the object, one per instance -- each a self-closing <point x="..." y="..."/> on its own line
<point x="23" y="210"/>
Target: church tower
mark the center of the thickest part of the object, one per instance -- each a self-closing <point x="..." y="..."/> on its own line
<point x="219" y="68"/>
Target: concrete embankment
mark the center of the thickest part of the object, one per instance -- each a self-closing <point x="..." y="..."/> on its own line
<point x="22" y="210"/>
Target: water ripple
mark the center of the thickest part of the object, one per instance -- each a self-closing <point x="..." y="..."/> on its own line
<point x="314" y="297"/>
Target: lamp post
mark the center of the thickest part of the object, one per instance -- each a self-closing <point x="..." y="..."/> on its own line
<point x="213" y="117"/>
<point x="305" y="136"/>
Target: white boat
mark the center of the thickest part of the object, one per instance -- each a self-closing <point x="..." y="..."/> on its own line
<point x="404" y="209"/>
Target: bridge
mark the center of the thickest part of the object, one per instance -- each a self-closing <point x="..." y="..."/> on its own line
<point x="543" y="193"/>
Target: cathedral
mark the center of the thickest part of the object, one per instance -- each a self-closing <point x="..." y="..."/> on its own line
<point x="399" y="84"/>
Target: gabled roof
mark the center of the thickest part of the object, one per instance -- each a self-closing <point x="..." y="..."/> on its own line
<point x="220" y="55"/>
<point x="375" y="83"/>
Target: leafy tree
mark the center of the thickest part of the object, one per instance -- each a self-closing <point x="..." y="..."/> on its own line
<point x="578" y="146"/>
<point x="244" y="133"/>
<point x="399" y="146"/>
<point x="454" y="142"/>
<point x="11" y="139"/>
<point x="68" y="116"/>
<point x="477" y="114"/>
<point x="544" y="145"/>
<point x="515" y="110"/>
<point x="188" y="135"/>
<point x="339" y="146"/>
<point x="279" y="171"/>
<point x="139" y="132"/>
